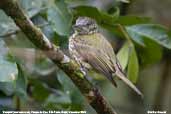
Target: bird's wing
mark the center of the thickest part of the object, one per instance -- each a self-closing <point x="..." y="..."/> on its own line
<point x="118" y="70"/>
<point x="96" y="57"/>
<point x="101" y="57"/>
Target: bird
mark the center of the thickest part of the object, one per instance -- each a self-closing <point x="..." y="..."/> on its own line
<point x="91" y="50"/>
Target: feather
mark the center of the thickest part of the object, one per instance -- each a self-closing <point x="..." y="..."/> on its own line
<point x="95" y="50"/>
<point x="121" y="76"/>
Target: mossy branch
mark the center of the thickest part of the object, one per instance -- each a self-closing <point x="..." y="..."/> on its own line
<point x="34" y="34"/>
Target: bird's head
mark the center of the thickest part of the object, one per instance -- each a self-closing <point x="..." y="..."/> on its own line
<point x="85" y="25"/>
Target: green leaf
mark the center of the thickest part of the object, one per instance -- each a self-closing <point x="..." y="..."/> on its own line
<point x="33" y="7"/>
<point x="70" y="88"/>
<point x="60" y="18"/>
<point x="151" y="53"/>
<point x="133" y="66"/>
<point x="6" y="24"/>
<point x="123" y="55"/>
<point x="100" y="16"/>
<point x="40" y="91"/>
<point x="3" y="49"/>
<point x="16" y="87"/>
<point x="8" y="70"/>
<point x="132" y="20"/>
<point x="7" y="87"/>
<point x="21" y="84"/>
<point x="156" y="33"/>
<point x="61" y="41"/>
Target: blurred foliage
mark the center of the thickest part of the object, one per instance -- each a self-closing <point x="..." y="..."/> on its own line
<point x="8" y="70"/>
<point x="155" y="32"/>
<point x="133" y="66"/>
<point x="26" y="74"/>
<point x="60" y="18"/>
<point x="123" y="55"/>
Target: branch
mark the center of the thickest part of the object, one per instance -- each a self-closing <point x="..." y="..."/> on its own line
<point x="34" y="34"/>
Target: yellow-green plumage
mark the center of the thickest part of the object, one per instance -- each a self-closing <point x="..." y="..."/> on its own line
<point x="92" y="49"/>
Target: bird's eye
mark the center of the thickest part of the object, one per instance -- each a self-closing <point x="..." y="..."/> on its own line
<point x="88" y="24"/>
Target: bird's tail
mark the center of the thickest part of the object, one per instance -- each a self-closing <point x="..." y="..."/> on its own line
<point x="122" y="76"/>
